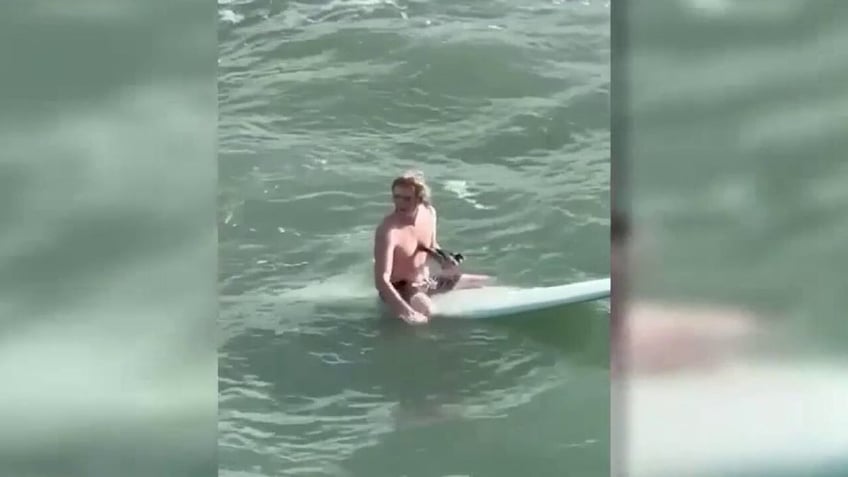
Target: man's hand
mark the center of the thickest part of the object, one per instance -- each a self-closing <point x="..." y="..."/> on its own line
<point x="413" y="317"/>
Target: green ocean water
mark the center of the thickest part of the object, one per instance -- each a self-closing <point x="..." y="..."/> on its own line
<point x="111" y="234"/>
<point x="505" y="107"/>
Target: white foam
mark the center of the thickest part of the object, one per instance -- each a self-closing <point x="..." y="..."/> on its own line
<point x="460" y="188"/>
<point x="230" y="16"/>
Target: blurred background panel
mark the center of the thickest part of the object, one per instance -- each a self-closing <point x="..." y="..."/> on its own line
<point x="107" y="238"/>
<point x="735" y="162"/>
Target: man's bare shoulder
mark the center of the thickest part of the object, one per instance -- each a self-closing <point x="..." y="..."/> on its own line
<point x="431" y="210"/>
<point x="385" y="227"/>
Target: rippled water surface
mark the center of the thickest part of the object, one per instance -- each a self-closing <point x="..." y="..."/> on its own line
<point x="505" y="107"/>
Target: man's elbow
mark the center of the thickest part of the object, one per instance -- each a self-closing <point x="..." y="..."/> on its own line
<point x="381" y="283"/>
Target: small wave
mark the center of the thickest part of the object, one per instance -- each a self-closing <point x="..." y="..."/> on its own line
<point x="229" y="16"/>
<point x="461" y="190"/>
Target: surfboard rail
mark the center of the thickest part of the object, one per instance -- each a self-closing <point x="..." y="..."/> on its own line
<point x="495" y="301"/>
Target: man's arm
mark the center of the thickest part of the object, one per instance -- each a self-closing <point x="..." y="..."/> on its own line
<point x="383" y="258"/>
<point x="434" y="241"/>
<point x="447" y="262"/>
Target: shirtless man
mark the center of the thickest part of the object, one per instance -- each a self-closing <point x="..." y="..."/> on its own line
<point x="402" y="243"/>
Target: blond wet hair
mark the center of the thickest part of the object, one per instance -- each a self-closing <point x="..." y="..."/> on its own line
<point x="414" y="179"/>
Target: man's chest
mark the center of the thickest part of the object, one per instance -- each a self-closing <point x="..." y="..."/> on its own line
<point x="409" y="239"/>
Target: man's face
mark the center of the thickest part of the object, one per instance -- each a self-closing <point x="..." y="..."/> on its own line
<point x="404" y="198"/>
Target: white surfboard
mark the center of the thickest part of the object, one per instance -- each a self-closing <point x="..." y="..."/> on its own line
<point x="492" y="302"/>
